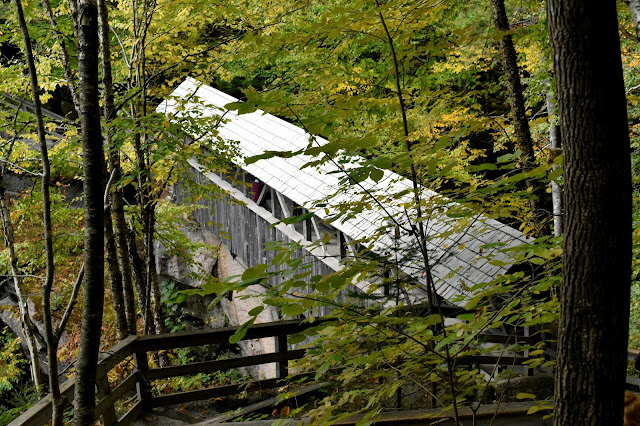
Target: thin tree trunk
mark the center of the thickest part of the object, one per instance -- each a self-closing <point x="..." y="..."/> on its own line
<point x="512" y="74"/>
<point x="50" y="335"/>
<point x="25" y="318"/>
<point x="156" y="295"/>
<point x="139" y="279"/>
<point x="93" y="165"/>
<point x="555" y="149"/>
<point x="116" y="198"/>
<point x="66" y="61"/>
<point x="524" y="141"/>
<point x="594" y="297"/>
<point x="115" y="278"/>
<point x="420" y="235"/>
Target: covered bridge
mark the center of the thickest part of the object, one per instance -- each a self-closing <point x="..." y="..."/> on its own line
<point x="462" y="252"/>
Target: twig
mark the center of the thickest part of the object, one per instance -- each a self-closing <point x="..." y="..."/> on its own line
<point x="72" y="303"/>
<point x="2" y="160"/>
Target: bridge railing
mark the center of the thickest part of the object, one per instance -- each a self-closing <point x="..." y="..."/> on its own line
<point x="139" y="349"/>
<point x="134" y="390"/>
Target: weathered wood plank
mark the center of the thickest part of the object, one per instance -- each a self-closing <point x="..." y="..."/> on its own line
<point x="220" y="391"/>
<point x="115" y="355"/>
<point x="131" y="415"/>
<point x="107" y="410"/>
<point x="223" y="364"/>
<point x="40" y="413"/>
<point x="183" y="339"/>
<point x="510" y="410"/>
<point x="264" y="404"/>
<point x="118" y="392"/>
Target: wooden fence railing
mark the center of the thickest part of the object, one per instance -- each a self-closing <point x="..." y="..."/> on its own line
<point x="134" y="391"/>
<point x="137" y="350"/>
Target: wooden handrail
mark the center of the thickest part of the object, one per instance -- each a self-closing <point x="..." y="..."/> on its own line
<point x="222" y="364"/>
<point x="40" y="413"/>
<point x="139" y="348"/>
<point x="154" y="342"/>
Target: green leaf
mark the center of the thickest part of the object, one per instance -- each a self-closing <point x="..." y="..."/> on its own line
<point x="296" y="338"/>
<point x="241" y="331"/>
<point x="296" y="219"/>
<point x="537" y="408"/>
<point x="256" y="311"/>
<point x="523" y="395"/>
<point x="466" y="317"/>
<point x="255" y="272"/>
<point x="293" y="310"/>
<point x="242" y="107"/>
<point x="376" y="174"/>
<point x="271" y="154"/>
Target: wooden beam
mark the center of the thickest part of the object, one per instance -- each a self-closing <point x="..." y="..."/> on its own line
<point x="40" y="413"/>
<point x="118" y="392"/>
<point x="220" y="391"/>
<point x="263" y="191"/>
<point x="227" y="417"/>
<point x="131" y="415"/>
<point x="154" y="342"/>
<point x="285" y="209"/>
<point x="318" y="236"/>
<point x="282" y="347"/>
<point x="142" y="388"/>
<point x="223" y="364"/>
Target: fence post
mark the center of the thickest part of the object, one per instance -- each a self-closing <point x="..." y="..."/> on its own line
<point x="283" y="366"/>
<point x="142" y="387"/>
<point x="104" y="391"/>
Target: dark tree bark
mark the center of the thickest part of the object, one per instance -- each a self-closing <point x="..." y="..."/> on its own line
<point x="50" y="335"/>
<point x="594" y="318"/>
<point x="93" y="165"/>
<point x="116" y="197"/>
<point x="524" y="141"/>
<point x="115" y="277"/>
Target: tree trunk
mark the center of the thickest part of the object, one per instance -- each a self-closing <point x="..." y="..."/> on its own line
<point x="152" y="277"/>
<point x="594" y="317"/>
<point x="93" y="165"/>
<point x="115" y="278"/>
<point x="66" y="60"/>
<point x="139" y="279"/>
<point x="555" y="149"/>
<point x="28" y="328"/>
<point x="512" y="75"/>
<point x="115" y="197"/>
<point x="524" y="141"/>
<point x="50" y="335"/>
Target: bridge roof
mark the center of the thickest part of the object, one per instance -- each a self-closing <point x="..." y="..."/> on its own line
<point x="462" y="251"/>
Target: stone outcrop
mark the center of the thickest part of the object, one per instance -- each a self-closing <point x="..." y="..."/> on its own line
<point x="216" y="260"/>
